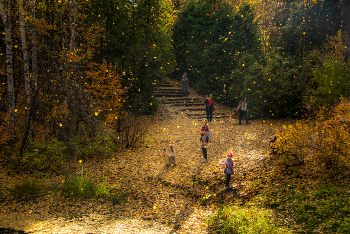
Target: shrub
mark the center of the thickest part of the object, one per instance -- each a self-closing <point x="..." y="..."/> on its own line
<point x="330" y="82"/>
<point x="76" y="186"/>
<point x="234" y="219"/>
<point x="50" y="155"/>
<point x="27" y="189"/>
<point x="103" y="190"/>
<point x="323" y="141"/>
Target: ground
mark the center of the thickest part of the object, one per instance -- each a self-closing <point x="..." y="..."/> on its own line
<point x="160" y="199"/>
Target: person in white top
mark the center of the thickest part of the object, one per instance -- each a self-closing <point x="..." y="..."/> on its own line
<point x="243" y="107"/>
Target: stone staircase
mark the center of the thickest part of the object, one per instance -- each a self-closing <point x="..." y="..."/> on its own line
<point x="171" y="95"/>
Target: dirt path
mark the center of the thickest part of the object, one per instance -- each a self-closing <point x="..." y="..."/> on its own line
<point x="160" y="200"/>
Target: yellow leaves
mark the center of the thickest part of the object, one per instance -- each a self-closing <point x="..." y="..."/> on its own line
<point x="60" y="125"/>
<point x="80" y="161"/>
<point x="96" y="113"/>
<point x="226" y="39"/>
<point x="30" y="212"/>
<point x="154" y="207"/>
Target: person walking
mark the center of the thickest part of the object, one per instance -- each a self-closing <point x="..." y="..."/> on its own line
<point x="185" y="88"/>
<point x="243" y="107"/>
<point x="228" y="169"/>
<point x="211" y="108"/>
<point x="206" y="102"/>
<point x="204" y="139"/>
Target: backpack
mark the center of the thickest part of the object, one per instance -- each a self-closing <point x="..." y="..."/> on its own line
<point x="210" y="135"/>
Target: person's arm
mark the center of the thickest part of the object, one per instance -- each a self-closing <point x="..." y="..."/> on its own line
<point x="169" y="156"/>
<point x="224" y="163"/>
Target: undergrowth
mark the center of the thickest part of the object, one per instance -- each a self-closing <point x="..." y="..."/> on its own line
<point x="28" y="189"/>
<point x="317" y="206"/>
<point x="236" y="219"/>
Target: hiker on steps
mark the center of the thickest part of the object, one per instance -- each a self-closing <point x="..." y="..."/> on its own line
<point x="206" y="102"/>
<point x="185" y="88"/>
<point x="204" y="139"/>
<point x="211" y="107"/>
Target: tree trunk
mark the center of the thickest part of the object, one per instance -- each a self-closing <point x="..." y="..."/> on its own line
<point x="6" y="18"/>
<point x="345" y="26"/>
<point x="25" y="53"/>
<point x="34" y="47"/>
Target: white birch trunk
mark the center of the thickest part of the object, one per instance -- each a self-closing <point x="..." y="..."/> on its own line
<point x="22" y="30"/>
<point x="34" y="47"/>
<point x="73" y="7"/>
<point x="6" y="18"/>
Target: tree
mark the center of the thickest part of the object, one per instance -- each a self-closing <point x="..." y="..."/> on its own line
<point x="141" y="39"/>
<point x="25" y="53"/>
<point x="5" y="12"/>
<point x="345" y="13"/>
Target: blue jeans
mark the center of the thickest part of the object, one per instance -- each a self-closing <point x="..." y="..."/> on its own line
<point x="245" y="113"/>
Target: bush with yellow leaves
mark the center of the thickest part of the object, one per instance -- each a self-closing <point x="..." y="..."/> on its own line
<point x="323" y="141"/>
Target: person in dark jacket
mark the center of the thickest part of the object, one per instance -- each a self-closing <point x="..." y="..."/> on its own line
<point x="211" y="107"/>
<point x="206" y="102"/>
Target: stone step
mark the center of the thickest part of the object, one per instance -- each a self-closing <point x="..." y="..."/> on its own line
<point x="161" y="92"/>
<point x="168" y="90"/>
<point x="182" y="102"/>
<point x="204" y="116"/>
<point x="193" y="109"/>
<point x="185" y="99"/>
<point x="185" y="104"/>
<point x="167" y="85"/>
<point x="168" y="94"/>
<point x="200" y="114"/>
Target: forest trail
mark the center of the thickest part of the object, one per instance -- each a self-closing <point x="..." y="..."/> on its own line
<point x="160" y="200"/>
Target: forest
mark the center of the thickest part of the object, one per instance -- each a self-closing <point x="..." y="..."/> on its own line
<point x="86" y="107"/>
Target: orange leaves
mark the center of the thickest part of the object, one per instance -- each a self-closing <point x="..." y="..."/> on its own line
<point x="320" y="142"/>
<point x="106" y="87"/>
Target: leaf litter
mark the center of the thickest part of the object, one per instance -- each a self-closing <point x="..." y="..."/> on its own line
<point x="160" y="199"/>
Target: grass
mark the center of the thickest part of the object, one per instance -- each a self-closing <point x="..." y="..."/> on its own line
<point x="82" y="186"/>
<point x="235" y="219"/>
<point x="76" y="186"/>
<point x="27" y="189"/>
<point x="315" y="206"/>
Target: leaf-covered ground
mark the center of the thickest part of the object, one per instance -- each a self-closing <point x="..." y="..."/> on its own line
<point x="160" y="199"/>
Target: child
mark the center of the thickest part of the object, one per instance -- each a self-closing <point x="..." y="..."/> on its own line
<point x="169" y="156"/>
<point x="229" y="169"/>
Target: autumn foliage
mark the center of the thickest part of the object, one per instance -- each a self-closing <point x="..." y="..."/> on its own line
<point x="322" y="142"/>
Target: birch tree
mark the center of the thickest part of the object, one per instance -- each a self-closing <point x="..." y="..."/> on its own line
<point x="34" y="46"/>
<point x="5" y="12"/>
<point x="25" y="53"/>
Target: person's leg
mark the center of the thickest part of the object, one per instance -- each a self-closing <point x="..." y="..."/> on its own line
<point x="228" y="178"/>
<point x="205" y="152"/>
<point x="246" y="116"/>
<point x="240" y="115"/>
<point x="166" y="160"/>
<point x="210" y="114"/>
<point x="207" y="112"/>
<point x="172" y="161"/>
